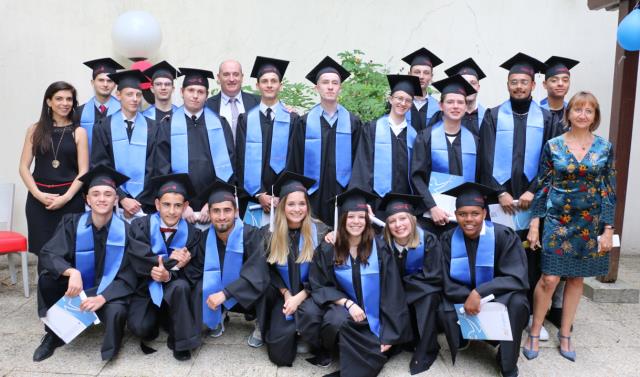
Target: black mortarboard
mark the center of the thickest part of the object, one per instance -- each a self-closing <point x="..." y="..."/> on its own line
<point x="289" y="182"/>
<point x="173" y="183"/>
<point x="264" y="65"/>
<point x="466" y="67"/>
<point x="454" y="84"/>
<point x="393" y="203"/>
<point x="407" y="83"/>
<point x="162" y="69"/>
<point x="194" y="76"/>
<point x="354" y="199"/>
<point x="422" y="56"/>
<point x="473" y="194"/>
<point x="325" y="66"/>
<point x="102" y="175"/>
<point x="220" y="191"/>
<point x="557" y="65"/>
<point x="104" y="65"/>
<point x="523" y="63"/>
<point x="131" y="78"/>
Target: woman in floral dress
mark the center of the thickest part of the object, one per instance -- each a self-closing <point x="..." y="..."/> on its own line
<point x="576" y="195"/>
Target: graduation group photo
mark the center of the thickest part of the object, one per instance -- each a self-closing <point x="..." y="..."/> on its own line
<point x="208" y="202"/>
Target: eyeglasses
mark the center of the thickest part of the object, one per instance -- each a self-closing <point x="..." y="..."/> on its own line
<point x="523" y="82"/>
<point x="402" y="100"/>
<point x="163" y="84"/>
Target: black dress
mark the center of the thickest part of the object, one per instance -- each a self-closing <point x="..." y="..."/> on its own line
<point x="41" y="222"/>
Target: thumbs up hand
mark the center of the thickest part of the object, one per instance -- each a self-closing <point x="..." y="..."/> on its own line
<point x="159" y="273"/>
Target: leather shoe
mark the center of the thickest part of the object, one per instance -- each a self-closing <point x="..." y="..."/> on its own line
<point x="47" y="346"/>
<point x="182" y="355"/>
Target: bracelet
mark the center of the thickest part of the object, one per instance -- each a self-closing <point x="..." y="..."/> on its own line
<point x="349" y="307"/>
<point x="502" y="194"/>
<point x="609" y="227"/>
<point x="345" y="304"/>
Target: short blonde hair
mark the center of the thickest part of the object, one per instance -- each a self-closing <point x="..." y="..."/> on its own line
<point x="414" y="237"/>
<point x="580" y="99"/>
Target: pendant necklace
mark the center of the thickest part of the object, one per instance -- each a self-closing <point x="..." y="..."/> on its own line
<point x="56" y="163"/>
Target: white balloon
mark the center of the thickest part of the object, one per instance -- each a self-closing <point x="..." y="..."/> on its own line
<point x="136" y="34"/>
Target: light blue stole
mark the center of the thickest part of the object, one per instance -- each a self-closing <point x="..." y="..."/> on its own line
<point x="503" y="152"/>
<point x="159" y="247"/>
<point x="313" y="147"/>
<point x="432" y="107"/>
<point x="485" y="255"/>
<point x="440" y="152"/>
<point x="545" y="103"/>
<point x="150" y="112"/>
<point x="217" y="144"/>
<point x="88" y="116"/>
<point x="85" y="252"/>
<point x="383" y="156"/>
<point x="130" y="157"/>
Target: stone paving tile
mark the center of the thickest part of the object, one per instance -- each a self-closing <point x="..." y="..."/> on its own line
<point x="232" y="361"/>
<point x="21" y="373"/>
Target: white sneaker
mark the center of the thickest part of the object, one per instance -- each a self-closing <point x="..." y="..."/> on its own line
<point x="255" y="339"/>
<point x="544" y="335"/>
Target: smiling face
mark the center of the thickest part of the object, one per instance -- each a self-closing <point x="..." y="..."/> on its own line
<point x="230" y="78"/>
<point x="355" y="223"/>
<point x="170" y="207"/>
<point x="162" y="88"/>
<point x="295" y="209"/>
<point x="130" y="99"/>
<point x="424" y="73"/>
<point x="520" y="85"/>
<point x="194" y="97"/>
<point x="222" y="215"/>
<point x="61" y="103"/>
<point x="269" y="86"/>
<point x="400" y="226"/>
<point x="102" y="199"/>
<point x="328" y="86"/>
<point x="557" y="86"/>
<point x="470" y="220"/>
<point x="582" y="116"/>
<point x="401" y="102"/>
<point x="453" y="106"/>
<point x="103" y="85"/>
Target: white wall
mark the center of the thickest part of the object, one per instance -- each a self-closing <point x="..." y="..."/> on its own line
<point x="47" y="41"/>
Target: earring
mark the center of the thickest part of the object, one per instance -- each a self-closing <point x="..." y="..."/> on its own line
<point x="49" y="110"/>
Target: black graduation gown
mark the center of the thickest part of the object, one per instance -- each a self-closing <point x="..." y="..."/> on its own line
<point x="556" y="118"/>
<point x="201" y="170"/>
<point x="143" y="315"/>
<point x="163" y="115"/>
<point x="267" y="176"/>
<point x="362" y="174"/>
<point x="279" y="334"/>
<point x="58" y="255"/>
<point x="249" y="101"/>
<point x="509" y="286"/>
<point x="518" y="183"/>
<point x="419" y="117"/>
<point x="328" y="186"/>
<point x="423" y="291"/>
<point x="248" y="288"/>
<point x="359" y="348"/>
<point x="102" y="154"/>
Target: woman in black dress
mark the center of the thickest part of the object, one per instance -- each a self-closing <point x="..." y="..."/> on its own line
<point x="60" y="149"/>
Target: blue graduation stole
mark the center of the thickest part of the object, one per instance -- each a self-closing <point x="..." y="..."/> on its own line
<point x="485" y="255"/>
<point x="253" y="146"/>
<point x="159" y="247"/>
<point x="130" y="158"/>
<point x="370" y="280"/>
<point x="415" y="257"/>
<point x="432" y="107"/>
<point x="214" y="279"/>
<point x="217" y="144"/>
<point x="283" y="270"/>
<point x="313" y="147"/>
<point x="545" y="103"/>
<point x="481" y="111"/>
<point x="88" y="116"/>
<point x="503" y="152"/>
<point x="383" y="157"/>
<point x="150" y="112"/>
<point x="440" y="152"/>
<point x="85" y="252"/>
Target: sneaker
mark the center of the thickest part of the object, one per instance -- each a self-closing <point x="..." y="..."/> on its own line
<point x="218" y="331"/>
<point x="47" y="346"/>
<point x="544" y="335"/>
<point x="302" y="347"/>
<point x="255" y="339"/>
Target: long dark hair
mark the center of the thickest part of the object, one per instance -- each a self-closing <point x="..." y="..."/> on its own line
<point x="44" y="127"/>
<point x="342" y="241"/>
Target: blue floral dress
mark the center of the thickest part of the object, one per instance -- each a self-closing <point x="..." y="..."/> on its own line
<point x="577" y="199"/>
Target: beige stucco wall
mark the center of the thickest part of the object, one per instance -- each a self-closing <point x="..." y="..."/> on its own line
<point x="44" y="41"/>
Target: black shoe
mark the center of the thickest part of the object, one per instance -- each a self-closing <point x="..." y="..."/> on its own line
<point x="321" y="360"/>
<point x="47" y="346"/>
<point x="182" y="355"/>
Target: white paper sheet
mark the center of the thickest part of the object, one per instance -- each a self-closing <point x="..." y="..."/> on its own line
<point x="492" y="323"/>
<point x="67" y="320"/>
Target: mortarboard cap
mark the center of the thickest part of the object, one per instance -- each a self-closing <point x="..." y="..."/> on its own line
<point x="454" y="84"/>
<point x="194" y="76"/>
<point x="473" y="194"/>
<point x="289" y="182"/>
<point x="407" y="83"/>
<point x="102" y="175"/>
<point x="264" y="65"/>
<point x="325" y="66"/>
<point x="557" y="65"/>
<point x="523" y="63"/>
<point x="220" y="191"/>
<point x="173" y="183"/>
<point x="162" y="69"/>
<point x="393" y="203"/>
<point x="103" y="65"/>
<point x="466" y="67"/>
<point x="422" y="56"/>
<point x="131" y="78"/>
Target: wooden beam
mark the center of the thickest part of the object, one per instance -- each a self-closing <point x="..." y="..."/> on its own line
<point x="623" y="101"/>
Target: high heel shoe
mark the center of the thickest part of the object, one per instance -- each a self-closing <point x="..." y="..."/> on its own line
<point x="569" y="355"/>
<point x="529" y="353"/>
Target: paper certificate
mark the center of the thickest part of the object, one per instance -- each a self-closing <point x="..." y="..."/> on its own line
<point x="492" y="323"/>
<point x="519" y="221"/>
<point x="441" y="182"/>
<point x="67" y="320"/>
<point x="256" y="216"/>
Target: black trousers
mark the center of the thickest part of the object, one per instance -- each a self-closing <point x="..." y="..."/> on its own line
<point x="144" y="316"/>
<point x="424" y="313"/>
<point x="113" y="314"/>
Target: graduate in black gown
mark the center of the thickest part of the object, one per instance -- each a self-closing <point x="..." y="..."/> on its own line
<point x="263" y="137"/>
<point x="162" y="77"/>
<point x="445" y="151"/>
<point x="126" y="141"/>
<point x="424" y="105"/>
<point x="87" y="253"/>
<point x="383" y="158"/>
<point x="290" y="321"/>
<point x="197" y="142"/>
<point x="230" y="273"/>
<point x="358" y="285"/>
<point x="480" y="258"/>
<point x="325" y="140"/>
<point x="417" y="254"/>
<point x="160" y="246"/>
<point x="557" y="80"/>
<point x="102" y="104"/>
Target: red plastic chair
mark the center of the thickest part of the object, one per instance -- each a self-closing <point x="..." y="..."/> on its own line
<point x="12" y="242"/>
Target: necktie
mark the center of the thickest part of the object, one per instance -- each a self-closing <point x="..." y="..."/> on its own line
<point x="194" y="118"/>
<point x="402" y="252"/>
<point x="129" y="128"/>
<point x="234" y="115"/>
<point x="168" y="230"/>
<point x="268" y="113"/>
<point x="102" y="109"/>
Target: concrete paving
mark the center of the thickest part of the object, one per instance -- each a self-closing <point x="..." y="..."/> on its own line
<point x="605" y="338"/>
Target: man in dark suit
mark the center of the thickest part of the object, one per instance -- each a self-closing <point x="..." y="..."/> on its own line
<point x="231" y="100"/>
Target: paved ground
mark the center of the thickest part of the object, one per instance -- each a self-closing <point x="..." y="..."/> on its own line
<point x="605" y="335"/>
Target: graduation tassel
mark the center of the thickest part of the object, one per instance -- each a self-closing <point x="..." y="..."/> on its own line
<point x="272" y="216"/>
<point x="235" y="195"/>
<point x="335" y="217"/>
